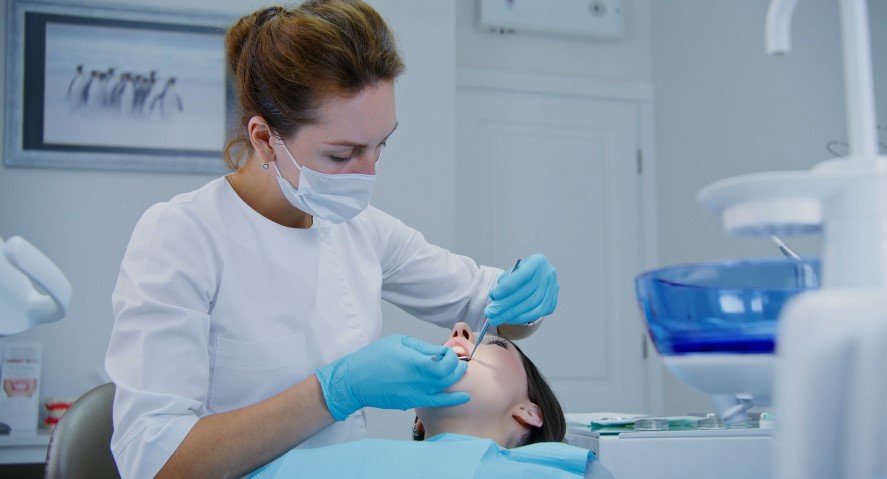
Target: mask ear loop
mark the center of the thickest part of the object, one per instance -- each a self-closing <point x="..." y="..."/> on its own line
<point x="285" y="149"/>
<point x="274" y="137"/>
<point x="265" y="165"/>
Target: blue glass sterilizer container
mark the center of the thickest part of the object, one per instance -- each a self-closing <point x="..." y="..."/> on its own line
<point x="721" y="307"/>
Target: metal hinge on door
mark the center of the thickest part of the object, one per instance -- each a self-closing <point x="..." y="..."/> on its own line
<point x="644" y="346"/>
<point x="640" y="162"/>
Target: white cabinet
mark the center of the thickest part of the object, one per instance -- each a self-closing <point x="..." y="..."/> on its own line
<point x="24" y="448"/>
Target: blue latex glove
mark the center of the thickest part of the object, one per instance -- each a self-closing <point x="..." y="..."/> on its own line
<point x="396" y="372"/>
<point x="525" y="295"/>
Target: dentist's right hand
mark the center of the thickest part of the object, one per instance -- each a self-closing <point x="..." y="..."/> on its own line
<point x="396" y="372"/>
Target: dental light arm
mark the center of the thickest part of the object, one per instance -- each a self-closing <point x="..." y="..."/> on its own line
<point x="861" y="117"/>
<point x="862" y="122"/>
<point x="33" y="290"/>
<point x="778" y="26"/>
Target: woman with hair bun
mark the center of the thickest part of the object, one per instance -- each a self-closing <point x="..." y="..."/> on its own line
<point x="248" y="312"/>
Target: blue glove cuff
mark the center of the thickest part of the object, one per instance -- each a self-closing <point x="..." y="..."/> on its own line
<point x="335" y="405"/>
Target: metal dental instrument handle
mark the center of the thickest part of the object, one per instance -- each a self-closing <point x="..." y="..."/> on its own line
<point x="807" y="276"/>
<point x="785" y="249"/>
<point x="483" y="330"/>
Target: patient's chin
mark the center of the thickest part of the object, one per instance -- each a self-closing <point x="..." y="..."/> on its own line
<point x="427" y="414"/>
<point x="463" y="385"/>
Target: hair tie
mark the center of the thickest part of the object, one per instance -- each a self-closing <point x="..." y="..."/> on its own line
<point x="267" y="14"/>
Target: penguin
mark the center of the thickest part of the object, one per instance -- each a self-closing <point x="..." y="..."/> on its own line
<point x="74" y="96"/>
<point x="78" y="79"/>
<point x="131" y="105"/>
<point x="168" y="101"/>
<point x="117" y="89"/>
<point x="105" y="88"/>
<point x="85" y="93"/>
<point x="98" y="91"/>
<point x="144" y="91"/>
<point x="126" y="94"/>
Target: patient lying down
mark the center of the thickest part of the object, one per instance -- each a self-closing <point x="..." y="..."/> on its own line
<point x="513" y="426"/>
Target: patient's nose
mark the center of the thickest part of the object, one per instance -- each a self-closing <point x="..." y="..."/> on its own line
<point x="463" y="330"/>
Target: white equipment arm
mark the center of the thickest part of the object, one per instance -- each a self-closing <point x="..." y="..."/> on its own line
<point x="33" y="290"/>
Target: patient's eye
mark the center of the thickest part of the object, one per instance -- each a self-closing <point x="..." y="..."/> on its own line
<point x="498" y="342"/>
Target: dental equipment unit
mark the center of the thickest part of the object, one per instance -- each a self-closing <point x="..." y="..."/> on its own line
<point x="833" y="341"/>
<point x="811" y="334"/>
<point x="33" y="291"/>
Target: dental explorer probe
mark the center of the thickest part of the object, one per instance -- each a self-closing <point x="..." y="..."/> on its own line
<point x="483" y="331"/>
<point x="785" y="249"/>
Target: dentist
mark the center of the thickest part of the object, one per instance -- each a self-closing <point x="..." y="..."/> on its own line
<point x="248" y="312"/>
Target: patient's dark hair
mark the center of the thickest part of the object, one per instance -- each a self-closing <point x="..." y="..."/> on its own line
<point x="554" y="426"/>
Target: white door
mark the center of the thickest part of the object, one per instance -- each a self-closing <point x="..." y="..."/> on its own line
<point x="559" y="174"/>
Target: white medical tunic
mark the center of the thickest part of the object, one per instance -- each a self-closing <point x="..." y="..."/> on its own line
<point x="218" y="308"/>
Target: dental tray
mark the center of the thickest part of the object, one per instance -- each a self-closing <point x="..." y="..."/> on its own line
<point x="602" y="418"/>
<point x="721" y="307"/>
<point x="617" y="423"/>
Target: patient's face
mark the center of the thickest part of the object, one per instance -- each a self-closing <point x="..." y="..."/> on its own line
<point x="495" y="379"/>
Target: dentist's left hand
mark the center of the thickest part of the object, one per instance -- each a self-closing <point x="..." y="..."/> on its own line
<point x="396" y="372"/>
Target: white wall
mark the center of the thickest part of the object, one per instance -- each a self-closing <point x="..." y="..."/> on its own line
<point x="83" y="219"/>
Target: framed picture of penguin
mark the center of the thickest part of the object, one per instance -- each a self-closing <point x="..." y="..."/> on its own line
<point x="102" y="87"/>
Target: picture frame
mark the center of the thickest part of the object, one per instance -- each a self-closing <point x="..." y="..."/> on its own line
<point x="111" y="88"/>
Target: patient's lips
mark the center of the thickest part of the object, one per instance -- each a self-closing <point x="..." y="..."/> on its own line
<point x="461" y="346"/>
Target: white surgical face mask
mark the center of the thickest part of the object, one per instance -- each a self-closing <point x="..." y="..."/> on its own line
<point x="335" y="198"/>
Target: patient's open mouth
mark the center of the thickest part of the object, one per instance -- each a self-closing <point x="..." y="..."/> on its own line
<point x="461" y="347"/>
<point x="461" y="352"/>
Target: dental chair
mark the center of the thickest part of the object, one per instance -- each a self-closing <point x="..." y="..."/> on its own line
<point x="80" y="445"/>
